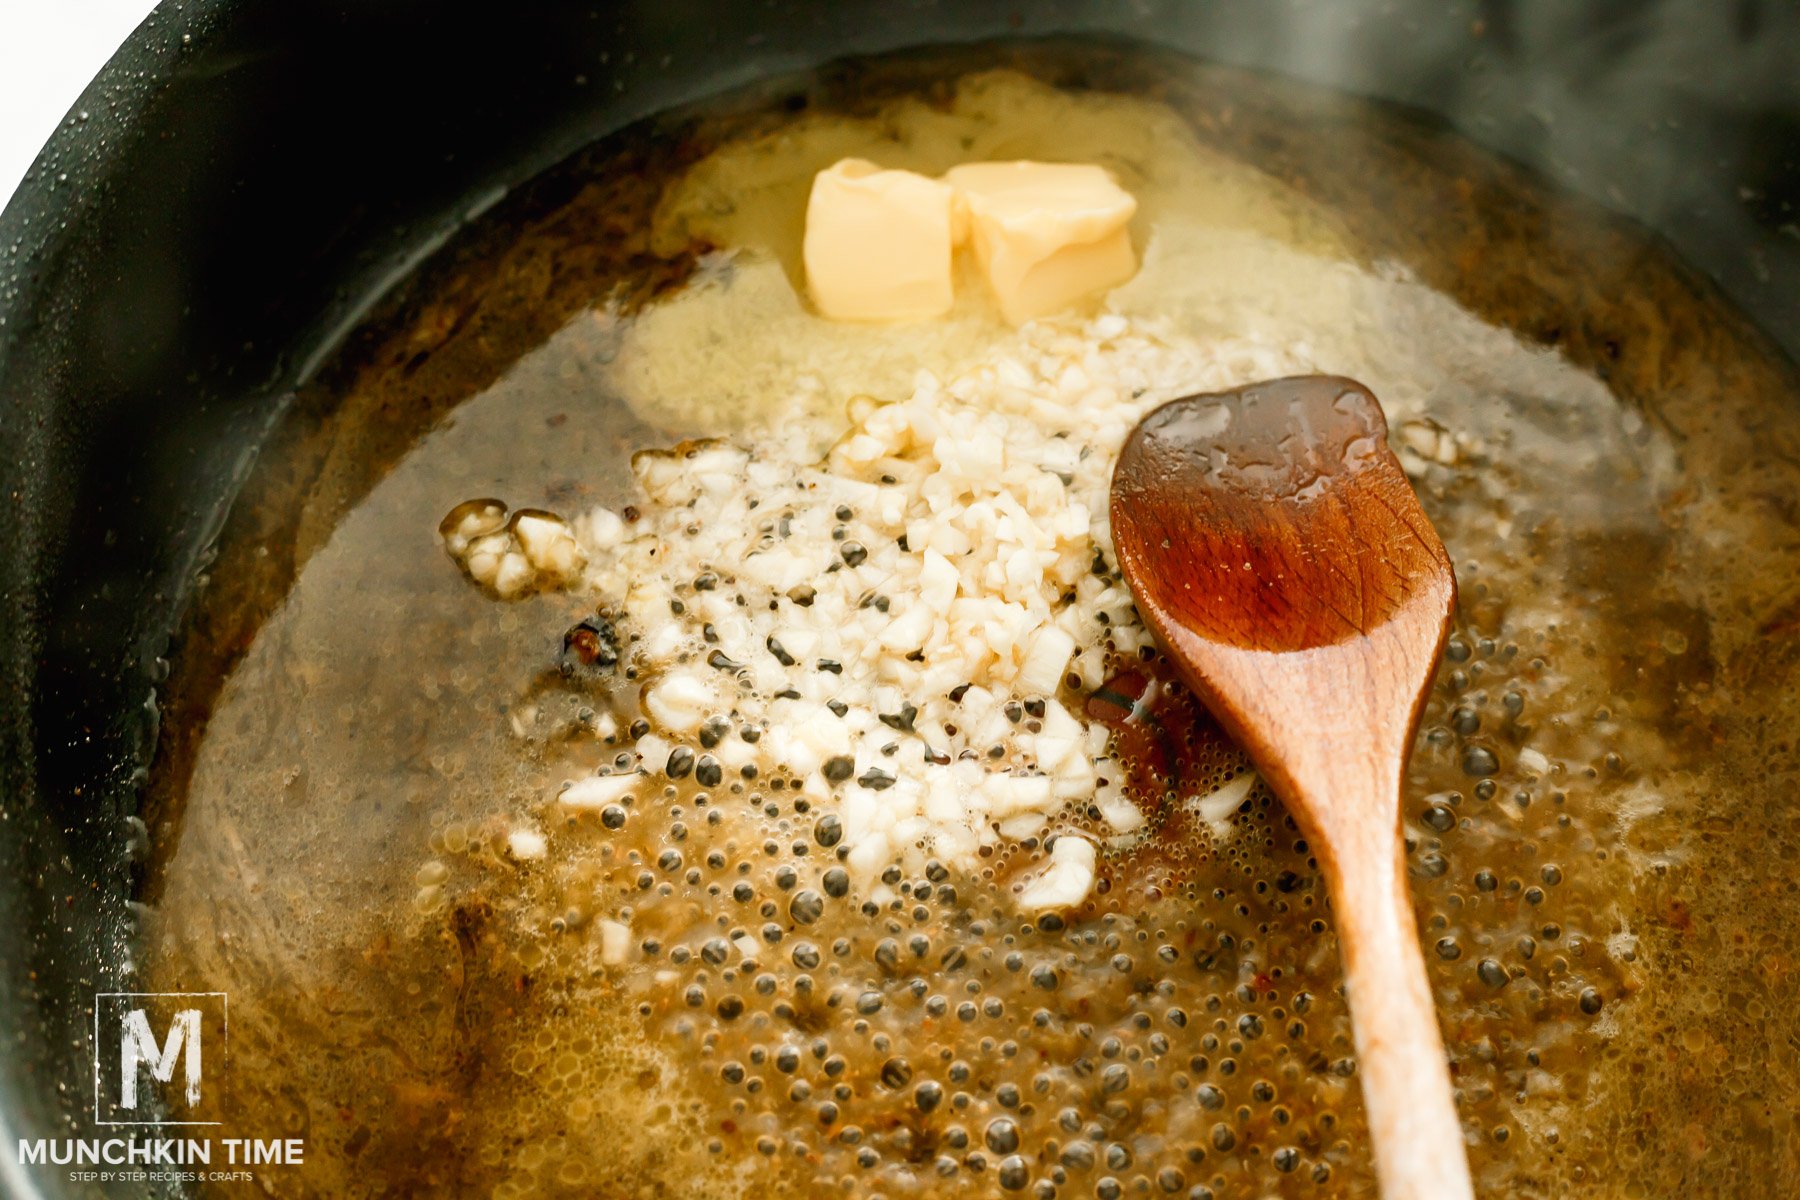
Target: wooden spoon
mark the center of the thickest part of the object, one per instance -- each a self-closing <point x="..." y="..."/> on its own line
<point x="1279" y="554"/>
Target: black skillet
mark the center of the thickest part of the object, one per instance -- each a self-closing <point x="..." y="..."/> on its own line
<point x="246" y="176"/>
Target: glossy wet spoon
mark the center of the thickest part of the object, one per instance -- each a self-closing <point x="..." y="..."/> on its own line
<point x="1277" y="551"/>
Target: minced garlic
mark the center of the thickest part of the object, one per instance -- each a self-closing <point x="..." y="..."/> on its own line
<point x="897" y="629"/>
<point x="511" y="554"/>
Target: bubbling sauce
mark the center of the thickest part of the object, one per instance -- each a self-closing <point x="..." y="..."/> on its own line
<point x="1596" y="836"/>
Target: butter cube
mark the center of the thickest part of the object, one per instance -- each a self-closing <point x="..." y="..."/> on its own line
<point x="1046" y="234"/>
<point x="878" y="243"/>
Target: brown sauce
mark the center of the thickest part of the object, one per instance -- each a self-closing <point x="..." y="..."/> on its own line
<point x="1599" y="837"/>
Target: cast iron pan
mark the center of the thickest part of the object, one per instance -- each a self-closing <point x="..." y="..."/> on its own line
<point x="247" y="176"/>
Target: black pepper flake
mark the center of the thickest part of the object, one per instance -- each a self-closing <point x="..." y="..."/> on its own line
<point x="837" y="707"/>
<point x="781" y="655"/>
<point x="787" y="694"/>
<point x="853" y="553"/>
<point x="902" y="720"/>
<point x="876" y="779"/>
<point x="959" y="691"/>
<point x="832" y="665"/>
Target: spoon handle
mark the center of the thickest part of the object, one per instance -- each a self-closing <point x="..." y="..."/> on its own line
<point x="1418" y="1140"/>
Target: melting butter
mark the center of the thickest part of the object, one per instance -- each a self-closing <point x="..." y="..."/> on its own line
<point x="878" y="244"/>
<point x="1224" y="249"/>
<point x="1046" y="234"/>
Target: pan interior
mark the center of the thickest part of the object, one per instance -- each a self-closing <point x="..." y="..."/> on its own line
<point x="1596" y="835"/>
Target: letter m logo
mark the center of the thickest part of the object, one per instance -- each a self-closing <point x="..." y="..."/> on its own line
<point x="137" y="1045"/>
<point x="144" y="1040"/>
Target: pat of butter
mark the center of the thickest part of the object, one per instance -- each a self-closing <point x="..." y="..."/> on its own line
<point x="1046" y="234"/>
<point x="878" y="244"/>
